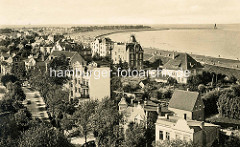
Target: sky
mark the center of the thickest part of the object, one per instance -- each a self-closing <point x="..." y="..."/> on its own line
<point x="40" y="12"/>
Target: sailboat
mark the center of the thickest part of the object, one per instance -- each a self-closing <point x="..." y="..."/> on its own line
<point x="215" y="26"/>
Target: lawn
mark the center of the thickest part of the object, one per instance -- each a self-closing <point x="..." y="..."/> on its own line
<point x="224" y="122"/>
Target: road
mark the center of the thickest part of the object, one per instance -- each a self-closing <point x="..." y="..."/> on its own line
<point x="35" y="104"/>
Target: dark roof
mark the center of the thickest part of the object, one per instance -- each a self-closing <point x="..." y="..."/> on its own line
<point x="183" y="100"/>
<point x="41" y="63"/>
<point x="182" y="61"/>
<point x="66" y="53"/>
<point x="145" y="81"/>
<point x="79" y="58"/>
<point x="5" y="55"/>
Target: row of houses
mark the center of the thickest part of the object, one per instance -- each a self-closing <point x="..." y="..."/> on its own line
<point x="130" y="52"/>
<point x="183" y="118"/>
<point x="80" y="87"/>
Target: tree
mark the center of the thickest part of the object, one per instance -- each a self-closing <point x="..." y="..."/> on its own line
<point x="105" y="124"/>
<point x="229" y="105"/>
<point x="233" y="141"/>
<point x="8" y="78"/>
<point x="60" y="63"/>
<point x="233" y="79"/>
<point x="171" y="81"/>
<point x="193" y="82"/>
<point x="22" y="118"/>
<point x="116" y="83"/>
<point x="55" y="98"/>
<point x="19" y="71"/>
<point x="201" y="88"/>
<point x="82" y="116"/>
<point x="175" y="143"/>
<point x="15" y="92"/>
<point x="210" y="101"/>
<point x="43" y="135"/>
<point x="135" y="135"/>
<point x="9" y="131"/>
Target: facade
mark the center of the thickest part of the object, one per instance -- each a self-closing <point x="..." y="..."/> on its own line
<point x="6" y="63"/>
<point x="172" y="128"/>
<point x="30" y="62"/>
<point x="99" y="86"/>
<point x="186" y="122"/>
<point x="92" y="84"/>
<point x="101" y="47"/>
<point x="130" y="52"/>
<point x="181" y="66"/>
<point x="187" y="103"/>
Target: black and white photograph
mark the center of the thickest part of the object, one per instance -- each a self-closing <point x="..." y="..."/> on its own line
<point x="119" y="73"/>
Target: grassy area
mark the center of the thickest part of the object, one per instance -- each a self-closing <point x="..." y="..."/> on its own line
<point x="224" y="122"/>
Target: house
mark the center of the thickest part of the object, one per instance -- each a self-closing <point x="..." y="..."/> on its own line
<point x="87" y="82"/>
<point x="181" y="66"/>
<point x="91" y="84"/>
<point x="101" y="47"/>
<point x="131" y="112"/>
<point x="187" y="103"/>
<point x="86" y="53"/>
<point x="130" y="52"/>
<point x="30" y="62"/>
<point x="172" y="128"/>
<point x="6" y="63"/>
<point x="99" y="84"/>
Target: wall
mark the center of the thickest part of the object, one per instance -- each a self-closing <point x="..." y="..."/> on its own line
<point x="181" y="113"/>
<point x="99" y="87"/>
<point x="119" y="52"/>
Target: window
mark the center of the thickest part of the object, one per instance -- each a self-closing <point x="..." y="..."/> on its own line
<point x="72" y="93"/>
<point x="178" y="136"/>
<point x="75" y="89"/>
<point x="167" y="135"/>
<point x="186" y="138"/>
<point x="161" y="135"/>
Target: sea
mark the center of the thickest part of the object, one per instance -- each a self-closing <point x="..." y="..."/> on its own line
<point x="222" y="42"/>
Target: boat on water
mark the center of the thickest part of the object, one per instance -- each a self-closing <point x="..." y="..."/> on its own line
<point x="215" y="26"/>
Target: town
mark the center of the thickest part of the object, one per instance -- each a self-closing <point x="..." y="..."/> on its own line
<point x="37" y="109"/>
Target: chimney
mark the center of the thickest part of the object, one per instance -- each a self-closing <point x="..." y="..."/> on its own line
<point x="132" y="102"/>
<point x="173" y="57"/>
<point x="167" y="116"/>
<point x="185" y="116"/>
<point x="145" y="103"/>
<point x="202" y="124"/>
<point x="42" y="57"/>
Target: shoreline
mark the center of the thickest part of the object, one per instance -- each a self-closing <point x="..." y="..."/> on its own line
<point x="131" y="30"/>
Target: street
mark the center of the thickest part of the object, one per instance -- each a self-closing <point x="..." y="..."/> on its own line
<point x="35" y="103"/>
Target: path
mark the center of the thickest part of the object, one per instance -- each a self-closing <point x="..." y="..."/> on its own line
<point x="37" y="106"/>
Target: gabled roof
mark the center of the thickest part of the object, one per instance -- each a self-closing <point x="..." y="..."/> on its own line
<point x="183" y="100"/>
<point x="182" y="61"/>
<point x="123" y="102"/>
<point x="77" y="57"/>
<point x="132" y="112"/>
<point x="74" y="56"/>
